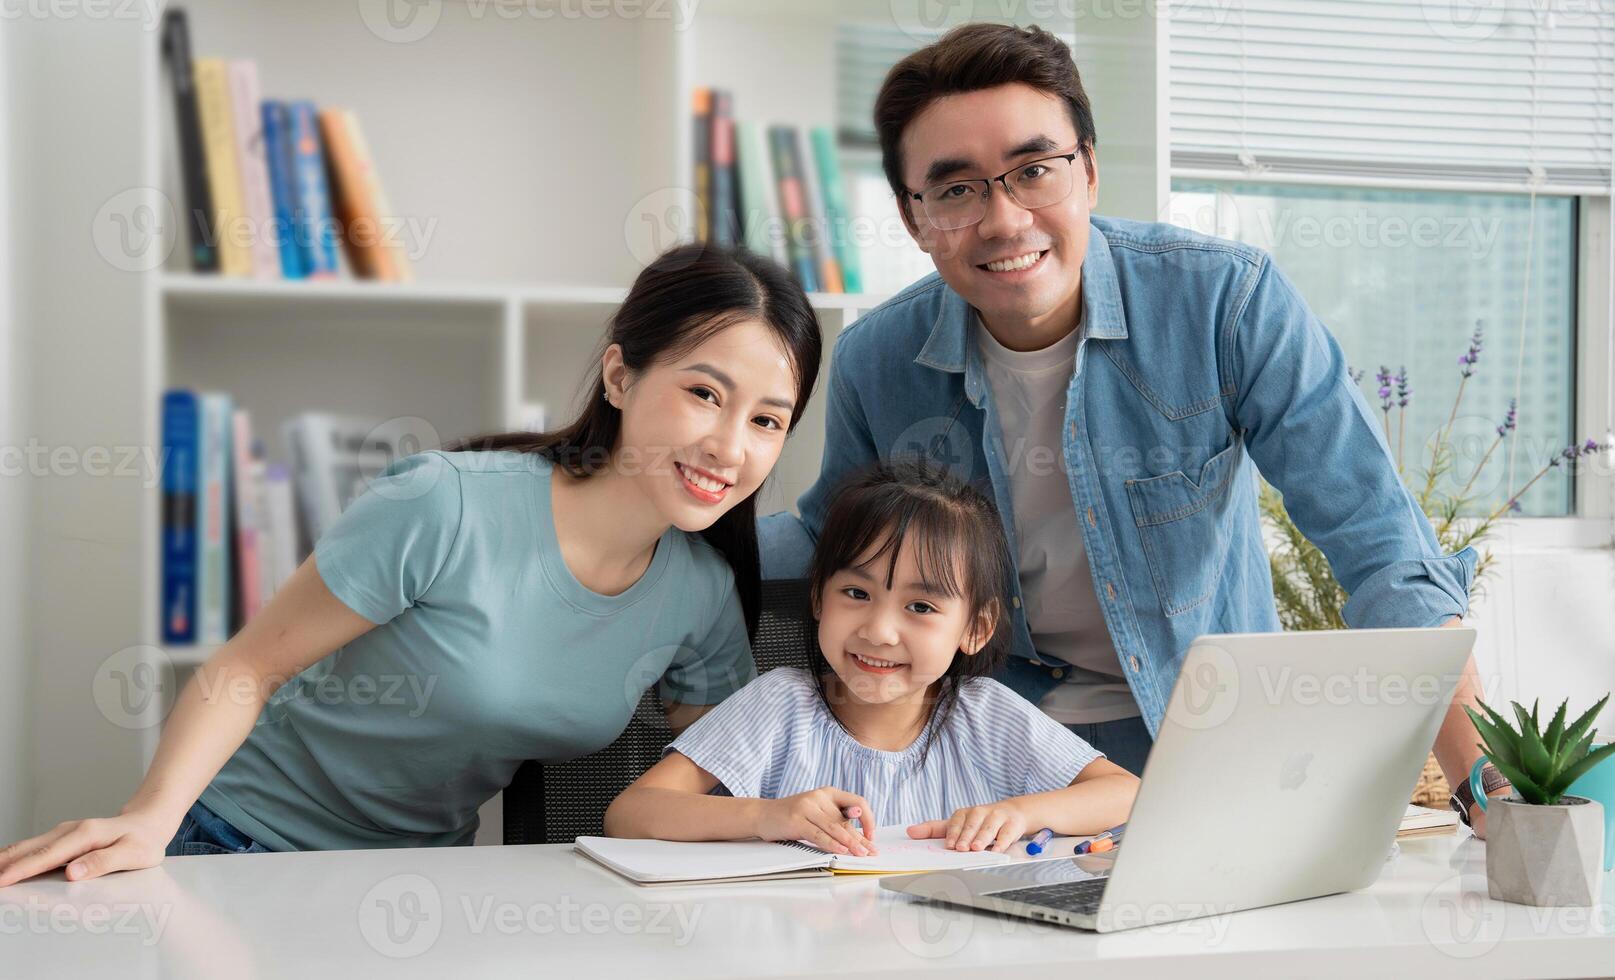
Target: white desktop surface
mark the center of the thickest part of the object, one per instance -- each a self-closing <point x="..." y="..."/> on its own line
<point x="545" y="911"/>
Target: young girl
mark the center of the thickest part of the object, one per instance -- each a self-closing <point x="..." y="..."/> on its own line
<point x="899" y="724"/>
<point x="511" y="600"/>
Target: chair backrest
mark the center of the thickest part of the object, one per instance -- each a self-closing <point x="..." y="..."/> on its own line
<point x="558" y="803"/>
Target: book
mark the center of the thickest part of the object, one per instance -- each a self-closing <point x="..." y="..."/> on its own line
<point x="181" y="475"/>
<point x="281" y="511"/>
<point x="838" y="224"/>
<point x="652" y="862"/>
<point x="1422" y="821"/>
<point x="762" y="230"/>
<point x="213" y="520"/>
<point x="293" y="246"/>
<point x="313" y="212"/>
<point x="257" y="209"/>
<point x="176" y="47"/>
<point x="396" y="250"/>
<point x="224" y="177"/>
<point x="792" y="205"/>
<point x="816" y="228"/>
<point x="249" y="596"/>
<point x="359" y="203"/>
<point x="723" y="169"/>
<point x="358" y="223"/>
<point x="701" y="132"/>
<point x="334" y="458"/>
<point x="257" y="481"/>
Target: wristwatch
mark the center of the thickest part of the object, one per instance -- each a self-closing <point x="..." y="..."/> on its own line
<point x="1463" y="797"/>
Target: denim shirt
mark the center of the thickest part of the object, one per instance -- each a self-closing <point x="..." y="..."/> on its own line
<point x="1198" y="359"/>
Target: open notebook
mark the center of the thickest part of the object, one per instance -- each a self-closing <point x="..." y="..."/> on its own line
<point x="651" y="862"/>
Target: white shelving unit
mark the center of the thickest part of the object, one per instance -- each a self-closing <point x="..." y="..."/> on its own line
<point x="535" y="146"/>
<point x="535" y="200"/>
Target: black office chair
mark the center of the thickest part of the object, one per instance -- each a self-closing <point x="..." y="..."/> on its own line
<point x="558" y="803"/>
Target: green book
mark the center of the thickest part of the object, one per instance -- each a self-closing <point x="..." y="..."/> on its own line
<point x="834" y="194"/>
<point x="762" y="230"/>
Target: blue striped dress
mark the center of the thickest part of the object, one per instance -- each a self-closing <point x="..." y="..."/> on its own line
<point x="776" y="737"/>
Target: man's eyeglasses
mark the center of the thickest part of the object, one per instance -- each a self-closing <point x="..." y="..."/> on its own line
<point x="959" y="204"/>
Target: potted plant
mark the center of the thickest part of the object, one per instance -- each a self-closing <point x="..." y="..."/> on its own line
<point x="1542" y="846"/>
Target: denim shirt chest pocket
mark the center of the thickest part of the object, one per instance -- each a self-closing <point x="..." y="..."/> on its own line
<point x="1180" y="526"/>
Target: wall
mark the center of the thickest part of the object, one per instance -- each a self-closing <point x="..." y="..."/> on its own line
<point x="15" y="714"/>
<point x="76" y="127"/>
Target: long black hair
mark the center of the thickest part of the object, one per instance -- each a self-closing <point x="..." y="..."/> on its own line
<point x="958" y="545"/>
<point x="687" y="295"/>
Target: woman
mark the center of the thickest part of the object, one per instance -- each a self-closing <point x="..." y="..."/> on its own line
<point x="481" y="606"/>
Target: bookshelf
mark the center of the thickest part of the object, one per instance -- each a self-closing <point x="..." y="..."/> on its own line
<point x="528" y="143"/>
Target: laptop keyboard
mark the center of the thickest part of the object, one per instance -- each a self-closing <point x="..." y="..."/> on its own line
<point x="1079" y="897"/>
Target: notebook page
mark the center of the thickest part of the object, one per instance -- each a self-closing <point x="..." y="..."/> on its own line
<point x="898" y="852"/>
<point x="656" y="860"/>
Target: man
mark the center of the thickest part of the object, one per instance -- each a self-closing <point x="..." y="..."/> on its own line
<point x="1110" y="383"/>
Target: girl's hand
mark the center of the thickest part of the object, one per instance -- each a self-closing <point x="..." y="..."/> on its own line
<point x="822" y="817"/>
<point x="993" y="827"/>
<point x="90" y="848"/>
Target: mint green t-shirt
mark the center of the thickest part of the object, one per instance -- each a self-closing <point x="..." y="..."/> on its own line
<point x="489" y="652"/>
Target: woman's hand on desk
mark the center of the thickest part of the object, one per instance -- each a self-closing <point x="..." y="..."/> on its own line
<point x="91" y="848"/>
<point x="822" y="816"/>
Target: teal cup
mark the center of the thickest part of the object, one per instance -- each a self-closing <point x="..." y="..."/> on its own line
<point x="1598" y="783"/>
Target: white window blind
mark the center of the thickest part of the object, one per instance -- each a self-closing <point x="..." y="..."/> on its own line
<point x="1477" y="94"/>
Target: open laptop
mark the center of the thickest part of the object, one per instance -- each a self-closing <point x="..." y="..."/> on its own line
<point x="1280" y="772"/>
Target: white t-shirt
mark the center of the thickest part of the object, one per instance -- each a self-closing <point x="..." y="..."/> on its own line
<point x="1062" y="609"/>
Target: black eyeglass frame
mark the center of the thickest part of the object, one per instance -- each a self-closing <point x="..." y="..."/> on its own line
<point x="987" y="184"/>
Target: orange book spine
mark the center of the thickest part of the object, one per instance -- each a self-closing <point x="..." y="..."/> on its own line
<point x="355" y="206"/>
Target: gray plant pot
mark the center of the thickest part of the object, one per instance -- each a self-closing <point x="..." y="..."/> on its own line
<point x="1545" y="855"/>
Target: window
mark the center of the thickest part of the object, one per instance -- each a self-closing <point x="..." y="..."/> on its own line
<point x="1401" y="279"/>
<point x="1414" y="167"/>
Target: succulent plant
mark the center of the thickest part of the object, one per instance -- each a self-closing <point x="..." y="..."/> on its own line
<point x="1541" y="765"/>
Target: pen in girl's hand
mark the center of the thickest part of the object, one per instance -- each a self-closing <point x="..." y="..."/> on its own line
<point x="1039" y="841"/>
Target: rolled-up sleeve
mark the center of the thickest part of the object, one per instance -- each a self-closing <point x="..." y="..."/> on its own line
<point x="1419" y="592"/>
<point x="1315" y="438"/>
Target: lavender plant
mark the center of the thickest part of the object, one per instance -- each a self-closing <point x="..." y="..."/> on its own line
<point x="1304" y="586"/>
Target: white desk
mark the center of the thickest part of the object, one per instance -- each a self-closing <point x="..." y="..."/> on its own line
<point x="542" y="910"/>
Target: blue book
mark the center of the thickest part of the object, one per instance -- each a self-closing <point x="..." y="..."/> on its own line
<point x="181" y="474"/>
<point x="313" y="192"/>
<point x="294" y="247"/>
